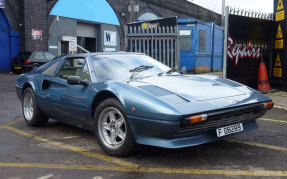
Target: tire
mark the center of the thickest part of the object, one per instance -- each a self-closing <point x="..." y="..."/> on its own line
<point x="33" y="116"/>
<point x="112" y="129"/>
<point x="35" y="67"/>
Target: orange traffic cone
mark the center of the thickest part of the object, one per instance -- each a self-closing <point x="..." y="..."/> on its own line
<point x="263" y="82"/>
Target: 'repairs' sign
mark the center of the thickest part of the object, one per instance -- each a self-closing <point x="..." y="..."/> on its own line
<point x="248" y="42"/>
<point x="2" y="3"/>
<point x="237" y="51"/>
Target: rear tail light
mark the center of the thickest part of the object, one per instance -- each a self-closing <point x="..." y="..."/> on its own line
<point x="196" y="118"/>
<point x="268" y="105"/>
<point x="27" y="62"/>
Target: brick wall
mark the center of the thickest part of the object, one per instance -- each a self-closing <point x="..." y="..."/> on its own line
<point x="35" y="17"/>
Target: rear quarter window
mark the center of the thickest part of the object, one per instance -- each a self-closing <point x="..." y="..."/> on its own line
<point x="50" y="68"/>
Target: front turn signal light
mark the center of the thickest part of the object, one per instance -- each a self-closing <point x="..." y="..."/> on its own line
<point x="197" y="118"/>
<point x="268" y="105"/>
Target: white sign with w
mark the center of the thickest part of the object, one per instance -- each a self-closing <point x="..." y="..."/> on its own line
<point x="110" y="38"/>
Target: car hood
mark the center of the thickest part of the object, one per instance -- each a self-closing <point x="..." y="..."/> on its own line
<point x="189" y="87"/>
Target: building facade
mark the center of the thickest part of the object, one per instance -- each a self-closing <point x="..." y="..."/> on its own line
<point x="58" y="26"/>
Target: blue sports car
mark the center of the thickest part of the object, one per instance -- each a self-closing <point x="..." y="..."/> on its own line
<point x="129" y="98"/>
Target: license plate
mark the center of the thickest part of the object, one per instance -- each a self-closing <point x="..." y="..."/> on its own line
<point x="17" y="68"/>
<point x="223" y="131"/>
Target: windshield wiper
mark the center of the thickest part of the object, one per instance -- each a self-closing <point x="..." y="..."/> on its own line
<point x="139" y="69"/>
<point x="167" y="72"/>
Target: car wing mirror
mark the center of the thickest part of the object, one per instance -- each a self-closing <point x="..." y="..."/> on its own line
<point x="75" y="80"/>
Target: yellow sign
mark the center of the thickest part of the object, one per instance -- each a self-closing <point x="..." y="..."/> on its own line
<point x="278" y="44"/>
<point x="280" y="15"/>
<point x="144" y="25"/>
<point x="280" y="5"/>
<point x="278" y="61"/>
<point x="279" y="34"/>
<point x="277" y="72"/>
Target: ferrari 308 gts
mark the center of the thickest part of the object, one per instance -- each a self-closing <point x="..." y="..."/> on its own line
<point x="129" y="98"/>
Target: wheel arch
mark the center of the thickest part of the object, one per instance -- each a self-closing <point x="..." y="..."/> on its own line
<point x="27" y="85"/>
<point x="101" y="96"/>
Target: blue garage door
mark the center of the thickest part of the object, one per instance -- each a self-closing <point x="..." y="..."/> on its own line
<point x="4" y="43"/>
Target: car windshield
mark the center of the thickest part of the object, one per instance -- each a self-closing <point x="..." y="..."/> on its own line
<point x="119" y="66"/>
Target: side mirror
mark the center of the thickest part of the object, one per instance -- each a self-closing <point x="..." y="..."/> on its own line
<point x="75" y="80"/>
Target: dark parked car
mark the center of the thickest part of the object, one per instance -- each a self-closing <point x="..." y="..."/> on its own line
<point x="26" y="61"/>
<point x="128" y="99"/>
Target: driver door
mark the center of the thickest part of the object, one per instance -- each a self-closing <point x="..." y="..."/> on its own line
<point x="70" y="101"/>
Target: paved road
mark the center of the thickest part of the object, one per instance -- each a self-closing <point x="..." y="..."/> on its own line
<point x="61" y="151"/>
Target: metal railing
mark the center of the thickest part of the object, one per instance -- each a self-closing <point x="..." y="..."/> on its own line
<point x="161" y="43"/>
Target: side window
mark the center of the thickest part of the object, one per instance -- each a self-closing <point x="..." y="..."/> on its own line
<point x="74" y="67"/>
<point x="202" y="40"/>
<point x="38" y="56"/>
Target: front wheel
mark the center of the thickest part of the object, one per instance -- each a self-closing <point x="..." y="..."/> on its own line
<point x="31" y="112"/>
<point x="112" y="129"/>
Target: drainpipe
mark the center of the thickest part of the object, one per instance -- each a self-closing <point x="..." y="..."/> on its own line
<point x="222" y="14"/>
<point x="212" y="45"/>
<point x="225" y="41"/>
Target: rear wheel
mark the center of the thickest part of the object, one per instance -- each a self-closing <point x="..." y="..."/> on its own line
<point x="35" y="67"/>
<point x="31" y="112"/>
<point x="112" y="129"/>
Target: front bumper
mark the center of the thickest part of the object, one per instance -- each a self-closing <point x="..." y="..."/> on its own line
<point x="196" y="139"/>
<point x="171" y="134"/>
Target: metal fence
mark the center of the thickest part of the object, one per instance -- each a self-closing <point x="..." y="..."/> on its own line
<point x="161" y="43"/>
<point x="250" y="13"/>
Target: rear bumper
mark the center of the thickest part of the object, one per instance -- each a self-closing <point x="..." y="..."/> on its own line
<point x="21" y="65"/>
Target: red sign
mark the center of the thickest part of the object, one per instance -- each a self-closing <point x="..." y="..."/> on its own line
<point x="36" y="34"/>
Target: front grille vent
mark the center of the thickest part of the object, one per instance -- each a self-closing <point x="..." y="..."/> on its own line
<point x="226" y="118"/>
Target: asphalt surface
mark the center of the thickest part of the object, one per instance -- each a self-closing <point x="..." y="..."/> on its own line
<point x="61" y="151"/>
